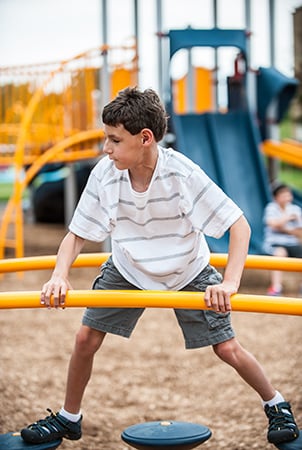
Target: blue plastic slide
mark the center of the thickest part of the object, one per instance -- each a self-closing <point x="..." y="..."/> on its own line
<point x="226" y="147"/>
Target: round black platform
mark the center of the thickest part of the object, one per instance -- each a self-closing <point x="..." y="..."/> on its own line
<point x="166" y="435"/>
<point x="13" y="441"/>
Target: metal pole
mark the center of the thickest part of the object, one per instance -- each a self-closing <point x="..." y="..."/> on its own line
<point x="136" y="31"/>
<point x="215" y="17"/>
<point x="272" y="32"/>
<point x="105" y="83"/>
<point x="248" y="26"/>
<point x="159" y="25"/>
<point x="273" y="129"/>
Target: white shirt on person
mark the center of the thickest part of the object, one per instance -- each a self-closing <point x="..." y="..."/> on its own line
<point x="277" y="238"/>
<point x="157" y="236"/>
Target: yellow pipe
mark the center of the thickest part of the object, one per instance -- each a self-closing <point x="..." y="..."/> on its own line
<point x="96" y="259"/>
<point x="154" y="299"/>
<point x="288" y="152"/>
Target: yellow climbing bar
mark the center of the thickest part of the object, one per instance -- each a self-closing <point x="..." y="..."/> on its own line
<point x="96" y="259"/>
<point x="154" y="299"/>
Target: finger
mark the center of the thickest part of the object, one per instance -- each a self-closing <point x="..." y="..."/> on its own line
<point x="227" y="302"/>
<point x="220" y="302"/>
<point x="207" y="298"/>
<point x="56" y="296"/>
<point x="47" y="296"/>
<point x="214" y="300"/>
<point x="43" y="294"/>
<point x="42" y="298"/>
<point x="63" y="296"/>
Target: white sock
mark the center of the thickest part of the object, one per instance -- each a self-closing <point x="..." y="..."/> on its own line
<point x="278" y="398"/>
<point x="70" y="416"/>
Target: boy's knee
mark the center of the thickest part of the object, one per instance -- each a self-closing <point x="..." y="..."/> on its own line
<point x="88" y="340"/>
<point x="280" y="251"/>
<point x="227" y="350"/>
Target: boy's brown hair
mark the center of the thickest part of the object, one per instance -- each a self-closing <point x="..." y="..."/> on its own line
<point x="135" y="110"/>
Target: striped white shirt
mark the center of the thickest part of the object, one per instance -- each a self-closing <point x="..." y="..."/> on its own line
<point x="157" y="236"/>
<point x="275" y="237"/>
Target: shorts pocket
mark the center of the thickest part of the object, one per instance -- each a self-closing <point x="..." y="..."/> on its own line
<point x="216" y="320"/>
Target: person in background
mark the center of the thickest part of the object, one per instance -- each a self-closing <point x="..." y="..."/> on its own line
<point x="283" y="231"/>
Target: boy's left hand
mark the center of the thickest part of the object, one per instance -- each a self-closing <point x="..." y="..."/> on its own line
<point x="218" y="296"/>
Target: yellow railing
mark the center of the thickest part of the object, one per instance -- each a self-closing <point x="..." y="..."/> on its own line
<point x="96" y="259"/>
<point x="154" y="299"/>
<point x="288" y="151"/>
<point x="51" y="113"/>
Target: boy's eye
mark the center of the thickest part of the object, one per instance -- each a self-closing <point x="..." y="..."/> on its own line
<point x="115" y="141"/>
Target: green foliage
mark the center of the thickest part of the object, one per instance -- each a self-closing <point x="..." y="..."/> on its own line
<point x="6" y="190"/>
<point x="291" y="176"/>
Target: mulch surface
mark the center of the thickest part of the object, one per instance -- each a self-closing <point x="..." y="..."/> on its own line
<point x="147" y="378"/>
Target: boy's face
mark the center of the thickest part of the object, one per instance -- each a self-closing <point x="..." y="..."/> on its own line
<point x="284" y="196"/>
<point x="123" y="148"/>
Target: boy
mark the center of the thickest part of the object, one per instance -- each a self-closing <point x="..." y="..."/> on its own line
<point x="156" y="205"/>
<point x="283" y="231"/>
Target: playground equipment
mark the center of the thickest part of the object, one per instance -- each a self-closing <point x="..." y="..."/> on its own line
<point x="50" y="114"/>
<point x="153" y="299"/>
<point x="166" y="434"/>
<point x="13" y="441"/>
<point x="287" y="151"/>
<point x="96" y="259"/>
<point x="226" y="144"/>
<point x="170" y="435"/>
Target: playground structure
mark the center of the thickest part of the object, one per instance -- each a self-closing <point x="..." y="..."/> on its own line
<point x="151" y="299"/>
<point x="207" y="122"/>
<point x="166" y="434"/>
<point x="50" y="115"/>
<point x="227" y="142"/>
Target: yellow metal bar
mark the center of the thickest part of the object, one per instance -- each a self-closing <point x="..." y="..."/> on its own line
<point x="288" y="152"/>
<point x="154" y="299"/>
<point x="261" y="262"/>
<point x="96" y="259"/>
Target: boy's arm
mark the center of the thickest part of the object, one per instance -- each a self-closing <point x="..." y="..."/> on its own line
<point x="218" y="296"/>
<point x="59" y="284"/>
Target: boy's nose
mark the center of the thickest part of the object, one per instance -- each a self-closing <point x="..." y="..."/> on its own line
<point x="106" y="147"/>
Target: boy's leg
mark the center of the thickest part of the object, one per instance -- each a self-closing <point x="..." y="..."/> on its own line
<point x="68" y="425"/>
<point x="88" y="341"/>
<point x="203" y="328"/>
<point x="247" y="367"/>
<point x="276" y="275"/>
<point x="95" y="324"/>
<point x="282" y="426"/>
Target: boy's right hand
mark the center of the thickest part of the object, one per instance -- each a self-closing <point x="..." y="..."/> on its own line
<point x="55" y="288"/>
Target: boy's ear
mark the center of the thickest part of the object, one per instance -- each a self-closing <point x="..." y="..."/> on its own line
<point x="147" y="136"/>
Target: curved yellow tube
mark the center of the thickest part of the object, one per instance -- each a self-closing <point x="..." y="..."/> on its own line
<point x="154" y="299"/>
<point x="96" y="259"/>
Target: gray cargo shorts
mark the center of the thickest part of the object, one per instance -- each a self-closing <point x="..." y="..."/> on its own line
<point x="200" y="327"/>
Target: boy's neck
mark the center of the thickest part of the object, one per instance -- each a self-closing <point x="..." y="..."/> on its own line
<point x="141" y="176"/>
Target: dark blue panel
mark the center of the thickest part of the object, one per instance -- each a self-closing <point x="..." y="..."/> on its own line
<point x="226" y="147"/>
<point x="273" y="85"/>
<point x="214" y="38"/>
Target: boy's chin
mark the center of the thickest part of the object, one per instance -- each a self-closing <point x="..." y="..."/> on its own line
<point x="120" y="166"/>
